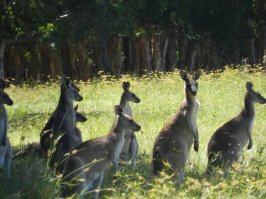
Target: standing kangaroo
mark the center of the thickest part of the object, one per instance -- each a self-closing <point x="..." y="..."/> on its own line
<point x="174" y="141"/>
<point x="5" y="147"/>
<point x="131" y="146"/>
<point x="62" y="123"/>
<point x="228" y="142"/>
<point x="84" y="167"/>
<point x="34" y="148"/>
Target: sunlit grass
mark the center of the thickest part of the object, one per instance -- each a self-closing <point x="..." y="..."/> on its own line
<point x="221" y="96"/>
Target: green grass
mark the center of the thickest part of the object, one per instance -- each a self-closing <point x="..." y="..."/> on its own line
<point x="221" y="97"/>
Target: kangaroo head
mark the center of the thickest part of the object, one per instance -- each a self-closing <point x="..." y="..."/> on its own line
<point x="71" y="90"/>
<point x="191" y="83"/>
<point x="3" y="84"/>
<point x="79" y="116"/>
<point x="128" y="95"/>
<point x="254" y="95"/>
<point x="5" y="99"/>
<point x="124" y="121"/>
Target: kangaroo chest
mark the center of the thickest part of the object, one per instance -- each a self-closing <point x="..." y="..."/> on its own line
<point x="118" y="147"/>
<point x="127" y="110"/>
<point x="190" y="114"/>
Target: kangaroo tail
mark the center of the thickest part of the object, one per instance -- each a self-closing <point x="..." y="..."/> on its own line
<point x="29" y="149"/>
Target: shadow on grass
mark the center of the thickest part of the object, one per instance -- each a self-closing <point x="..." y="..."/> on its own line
<point x="30" y="179"/>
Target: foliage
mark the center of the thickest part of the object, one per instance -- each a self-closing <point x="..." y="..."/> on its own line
<point x="221" y="97"/>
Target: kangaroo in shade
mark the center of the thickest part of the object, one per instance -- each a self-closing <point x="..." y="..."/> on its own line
<point x="5" y="147"/>
<point x="62" y="123"/>
<point x="174" y="141"/>
<point x="228" y="142"/>
<point x="131" y="146"/>
<point x="34" y="148"/>
<point x="84" y="167"/>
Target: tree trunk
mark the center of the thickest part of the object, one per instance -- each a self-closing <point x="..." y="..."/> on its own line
<point x="147" y="51"/>
<point x="183" y="44"/>
<point x="2" y="54"/>
<point x="100" y="48"/>
<point x="142" y="55"/>
<point x="67" y="60"/>
<point x="2" y="41"/>
<point x="252" y="52"/>
<point x="128" y="55"/>
<point x="157" y="55"/>
<point x="194" y="54"/>
<point x="171" y="53"/>
<point x="115" y="54"/>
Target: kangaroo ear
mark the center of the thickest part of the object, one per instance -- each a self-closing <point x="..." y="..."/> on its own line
<point x="125" y="85"/>
<point x="65" y="81"/>
<point x="80" y="117"/>
<point x="249" y="85"/>
<point x="3" y="84"/>
<point x="76" y="108"/>
<point x="118" y="110"/>
<point x="183" y="75"/>
<point x="196" y="75"/>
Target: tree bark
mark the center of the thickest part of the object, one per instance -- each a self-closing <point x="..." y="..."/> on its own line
<point x="100" y="48"/>
<point x="2" y="42"/>
<point x="2" y="54"/>
<point x="252" y="52"/>
<point x="171" y="56"/>
<point x="115" y="44"/>
<point x="157" y="55"/>
<point x="128" y="54"/>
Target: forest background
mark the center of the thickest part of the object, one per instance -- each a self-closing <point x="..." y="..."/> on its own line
<point x="40" y="39"/>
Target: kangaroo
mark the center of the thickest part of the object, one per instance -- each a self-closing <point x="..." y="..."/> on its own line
<point x="34" y="148"/>
<point x="79" y="118"/>
<point x="62" y="123"/>
<point x="87" y="162"/>
<point x="131" y="146"/>
<point x="174" y="141"/>
<point x="5" y="147"/>
<point x="228" y="142"/>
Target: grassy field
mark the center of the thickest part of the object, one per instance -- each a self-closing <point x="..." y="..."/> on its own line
<point x="221" y="96"/>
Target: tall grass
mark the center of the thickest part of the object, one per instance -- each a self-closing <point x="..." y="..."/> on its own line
<point x="221" y="96"/>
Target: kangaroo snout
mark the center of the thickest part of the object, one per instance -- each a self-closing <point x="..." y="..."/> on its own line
<point x="10" y="102"/>
<point x="137" y="100"/>
<point x="79" y="98"/>
<point x="137" y="127"/>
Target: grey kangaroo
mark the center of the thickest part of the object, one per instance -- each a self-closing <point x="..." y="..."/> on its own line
<point x="174" y="141"/>
<point x="34" y="148"/>
<point x="131" y="146"/>
<point x="62" y="123"/>
<point x="228" y="142"/>
<point x="5" y="147"/>
<point x="84" y="167"/>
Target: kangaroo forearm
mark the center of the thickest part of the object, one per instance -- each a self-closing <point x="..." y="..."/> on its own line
<point x="250" y="144"/>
